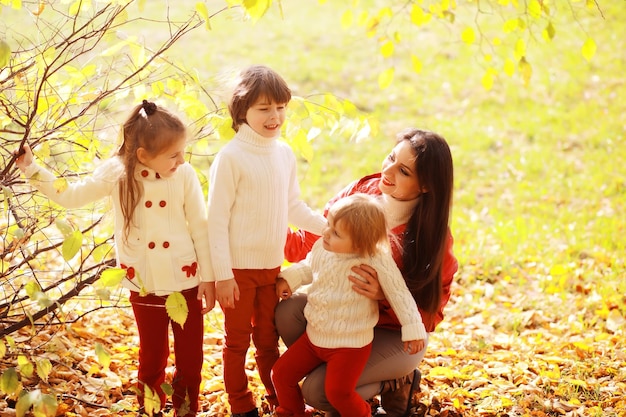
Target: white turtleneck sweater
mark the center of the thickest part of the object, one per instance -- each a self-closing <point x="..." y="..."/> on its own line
<point x="336" y="315"/>
<point x="253" y="196"/>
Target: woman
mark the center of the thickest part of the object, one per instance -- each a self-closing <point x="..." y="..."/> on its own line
<point x="415" y="186"/>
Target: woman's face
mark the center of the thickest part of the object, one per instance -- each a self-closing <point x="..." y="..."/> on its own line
<point x="399" y="179"/>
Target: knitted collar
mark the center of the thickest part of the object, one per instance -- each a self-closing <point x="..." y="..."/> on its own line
<point x="398" y="211"/>
<point x="248" y="135"/>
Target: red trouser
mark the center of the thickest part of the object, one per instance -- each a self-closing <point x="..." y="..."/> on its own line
<point x="253" y="315"/>
<point x="153" y="325"/>
<point x="343" y="369"/>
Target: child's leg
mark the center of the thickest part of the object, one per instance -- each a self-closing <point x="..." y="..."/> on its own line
<point x="153" y="327"/>
<point x="238" y="327"/>
<point x="188" y="351"/>
<point x="264" y="334"/>
<point x="289" y="369"/>
<point x="343" y="369"/>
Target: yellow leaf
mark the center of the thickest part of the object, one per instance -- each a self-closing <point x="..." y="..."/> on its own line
<point x="43" y="368"/>
<point x="5" y="53"/>
<point x="416" y="64"/>
<point x="112" y="277"/>
<point x="510" y="25"/>
<point x="549" y="32"/>
<point x="64" y="227"/>
<point x="534" y="9"/>
<point x="26" y="366"/>
<point x="589" y="49"/>
<point x="71" y="245"/>
<point x="176" y="307"/>
<point x="487" y="80"/>
<point x="204" y="13"/>
<point x="347" y="19"/>
<point x="385" y="78"/>
<point x="104" y="358"/>
<point x="520" y="49"/>
<point x="387" y="49"/>
<point x="3" y="349"/>
<point x="525" y="70"/>
<point x="60" y="185"/>
<point x="509" y="67"/>
<point x="9" y="382"/>
<point x="256" y="8"/>
<point x="418" y="16"/>
<point x="468" y="35"/>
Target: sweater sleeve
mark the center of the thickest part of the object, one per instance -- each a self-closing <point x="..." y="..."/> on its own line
<point x="222" y="190"/>
<point x="298" y="274"/>
<point x="74" y="194"/>
<point x="400" y="298"/>
<point x="300" y="214"/>
<point x="197" y="223"/>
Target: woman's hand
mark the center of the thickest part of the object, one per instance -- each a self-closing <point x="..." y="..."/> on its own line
<point x="368" y="285"/>
<point x="414" y="346"/>
<point x="23" y="157"/>
<point x="282" y="289"/>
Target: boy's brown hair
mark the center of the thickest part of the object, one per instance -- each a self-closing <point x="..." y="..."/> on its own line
<point x="254" y="82"/>
<point x="363" y="217"/>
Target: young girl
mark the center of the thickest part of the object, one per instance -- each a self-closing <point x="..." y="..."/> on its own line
<point x="253" y="196"/>
<point x="340" y="322"/>
<point x="161" y="240"/>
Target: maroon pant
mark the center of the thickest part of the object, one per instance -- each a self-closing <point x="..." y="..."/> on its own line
<point x="253" y="315"/>
<point x="153" y="325"/>
<point x="343" y="369"/>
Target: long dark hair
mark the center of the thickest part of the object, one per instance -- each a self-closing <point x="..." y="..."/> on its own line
<point x="426" y="234"/>
<point x="150" y="127"/>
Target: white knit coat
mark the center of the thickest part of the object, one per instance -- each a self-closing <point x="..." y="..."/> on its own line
<point x="168" y="246"/>
<point x="339" y="317"/>
<point x="253" y="196"/>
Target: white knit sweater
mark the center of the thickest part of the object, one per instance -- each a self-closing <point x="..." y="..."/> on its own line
<point x="253" y="196"/>
<point x="339" y="317"/>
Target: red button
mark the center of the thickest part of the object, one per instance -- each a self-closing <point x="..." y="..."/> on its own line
<point x="144" y="173"/>
<point x="151" y="245"/>
<point x="148" y="204"/>
<point x="166" y="245"/>
<point x="157" y="175"/>
<point x="162" y="203"/>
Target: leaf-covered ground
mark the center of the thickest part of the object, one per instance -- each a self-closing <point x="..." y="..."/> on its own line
<point x="509" y="346"/>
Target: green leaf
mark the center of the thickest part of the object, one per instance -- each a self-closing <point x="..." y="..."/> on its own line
<point x="9" y="382"/>
<point x="44" y="367"/>
<point x="5" y="53"/>
<point x="176" y="307"/>
<point x="104" y="358"/>
<point x="71" y="245"/>
<point x="24" y="403"/>
<point x="167" y="389"/>
<point x="589" y="49"/>
<point x="111" y="277"/>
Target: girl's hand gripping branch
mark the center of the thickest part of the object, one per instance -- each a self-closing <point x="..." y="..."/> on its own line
<point x="24" y="157"/>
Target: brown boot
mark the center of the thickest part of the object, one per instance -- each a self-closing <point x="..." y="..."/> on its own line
<point x="397" y="395"/>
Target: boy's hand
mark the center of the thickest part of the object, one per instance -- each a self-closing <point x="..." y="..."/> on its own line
<point x="206" y="291"/>
<point x="282" y="289"/>
<point x="23" y="157"/>
<point x="226" y="293"/>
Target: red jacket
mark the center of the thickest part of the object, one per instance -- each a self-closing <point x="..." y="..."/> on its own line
<point x="299" y="243"/>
